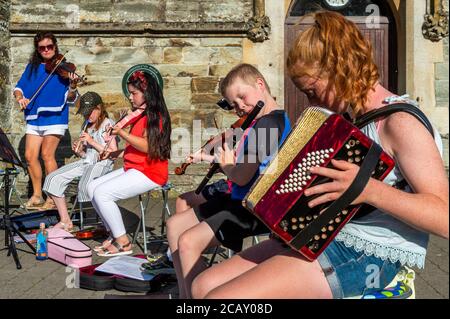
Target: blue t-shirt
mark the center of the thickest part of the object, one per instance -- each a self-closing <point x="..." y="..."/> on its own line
<point x="49" y="107"/>
<point x="265" y="136"/>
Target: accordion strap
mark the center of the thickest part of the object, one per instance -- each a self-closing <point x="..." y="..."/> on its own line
<point x="387" y="110"/>
<point x="355" y="189"/>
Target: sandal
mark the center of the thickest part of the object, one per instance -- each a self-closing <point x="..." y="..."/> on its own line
<point x="102" y="247"/>
<point x="48" y="206"/>
<point x="120" y="250"/>
<point x="31" y="204"/>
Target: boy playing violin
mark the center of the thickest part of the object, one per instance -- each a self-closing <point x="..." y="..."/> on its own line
<point x="224" y="221"/>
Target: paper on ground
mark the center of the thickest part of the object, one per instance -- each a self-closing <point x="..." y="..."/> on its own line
<point x="126" y="266"/>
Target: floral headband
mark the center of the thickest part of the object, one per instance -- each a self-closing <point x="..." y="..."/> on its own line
<point x="140" y="77"/>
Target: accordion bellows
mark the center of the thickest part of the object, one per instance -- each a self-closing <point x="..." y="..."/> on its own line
<point x="276" y="197"/>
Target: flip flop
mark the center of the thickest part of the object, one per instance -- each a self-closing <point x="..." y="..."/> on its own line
<point x="30" y="204"/>
<point x="47" y="206"/>
<point x="120" y="250"/>
<point x="64" y="226"/>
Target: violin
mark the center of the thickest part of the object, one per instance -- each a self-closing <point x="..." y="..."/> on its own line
<point x="212" y="143"/>
<point x="58" y="64"/>
<point x="216" y="166"/>
<point x="91" y="233"/>
<point x="125" y="120"/>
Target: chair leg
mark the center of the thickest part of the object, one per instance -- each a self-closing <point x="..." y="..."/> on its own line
<point x="164" y="210"/>
<point x="213" y="257"/>
<point x="136" y="231"/>
<point x="73" y="208"/>
<point x="81" y="215"/>
<point x="144" y="233"/>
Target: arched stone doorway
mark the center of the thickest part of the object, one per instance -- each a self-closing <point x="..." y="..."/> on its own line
<point x="374" y="18"/>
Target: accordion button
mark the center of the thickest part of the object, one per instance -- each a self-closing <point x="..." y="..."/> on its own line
<point x="345" y="212"/>
<point x="330" y="228"/>
<point x="302" y="226"/>
<point x="301" y="219"/>
<point x="350" y="153"/>
<point x="324" y="236"/>
<point x="294" y="227"/>
<point x="316" y="237"/>
<point x="324" y="229"/>
<point x="308" y="218"/>
<point x="357" y="152"/>
<point x="294" y="220"/>
<point x="337" y="220"/>
<point x="331" y="222"/>
<point x="277" y="192"/>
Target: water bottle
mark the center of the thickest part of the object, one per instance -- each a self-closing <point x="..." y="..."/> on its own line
<point x="41" y="243"/>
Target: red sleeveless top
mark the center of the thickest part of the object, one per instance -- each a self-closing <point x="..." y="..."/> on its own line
<point x="154" y="169"/>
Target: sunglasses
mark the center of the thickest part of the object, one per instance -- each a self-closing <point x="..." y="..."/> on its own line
<point x="224" y="105"/>
<point x="43" y="48"/>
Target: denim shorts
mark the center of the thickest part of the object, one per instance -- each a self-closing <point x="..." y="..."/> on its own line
<point x="351" y="273"/>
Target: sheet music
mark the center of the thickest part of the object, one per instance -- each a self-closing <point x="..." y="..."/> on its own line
<point x="126" y="266"/>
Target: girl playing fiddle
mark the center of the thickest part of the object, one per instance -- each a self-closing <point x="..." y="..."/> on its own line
<point x="46" y="112"/>
<point x="145" y="160"/>
<point x="92" y="141"/>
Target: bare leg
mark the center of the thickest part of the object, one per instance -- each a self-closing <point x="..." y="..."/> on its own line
<point x="61" y="205"/>
<point x="188" y="200"/>
<point x="32" y="147"/>
<point x="295" y="276"/>
<point x="176" y="225"/>
<point x="49" y="145"/>
<point x="221" y="273"/>
<point x="191" y="244"/>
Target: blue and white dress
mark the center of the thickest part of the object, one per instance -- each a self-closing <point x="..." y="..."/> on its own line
<point x="48" y="110"/>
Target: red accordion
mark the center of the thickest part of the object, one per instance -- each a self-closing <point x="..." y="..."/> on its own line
<point x="276" y="198"/>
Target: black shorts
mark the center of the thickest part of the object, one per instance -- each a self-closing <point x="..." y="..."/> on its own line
<point x="230" y="221"/>
<point x="213" y="190"/>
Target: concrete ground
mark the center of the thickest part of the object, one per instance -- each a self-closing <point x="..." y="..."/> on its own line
<point x="49" y="279"/>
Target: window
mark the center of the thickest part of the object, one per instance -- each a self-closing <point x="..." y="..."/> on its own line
<point x="355" y="7"/>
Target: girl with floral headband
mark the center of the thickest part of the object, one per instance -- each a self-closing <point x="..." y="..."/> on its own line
<point x="145" y="160"/>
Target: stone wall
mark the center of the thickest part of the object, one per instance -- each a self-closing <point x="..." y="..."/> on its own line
<point x="4" y="65"/>
<point x="201" y="42"/>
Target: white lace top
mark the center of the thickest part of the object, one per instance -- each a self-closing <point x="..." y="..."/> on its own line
<point x="381" y="234"/>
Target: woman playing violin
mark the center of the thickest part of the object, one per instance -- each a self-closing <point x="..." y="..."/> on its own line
<point x="145" y="160"/>
<point x="45" y="110"/>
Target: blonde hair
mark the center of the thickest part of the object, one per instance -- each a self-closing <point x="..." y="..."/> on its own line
<point x="334" y="49"/>
<point x="246" y="72"/>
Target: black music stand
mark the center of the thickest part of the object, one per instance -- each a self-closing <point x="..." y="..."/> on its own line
<point x="9" y="156"/>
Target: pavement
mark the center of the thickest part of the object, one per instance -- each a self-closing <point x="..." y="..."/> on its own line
<point x="49" y="279"/>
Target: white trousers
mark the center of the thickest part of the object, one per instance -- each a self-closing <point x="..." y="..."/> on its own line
<point x="106" y="190"/>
